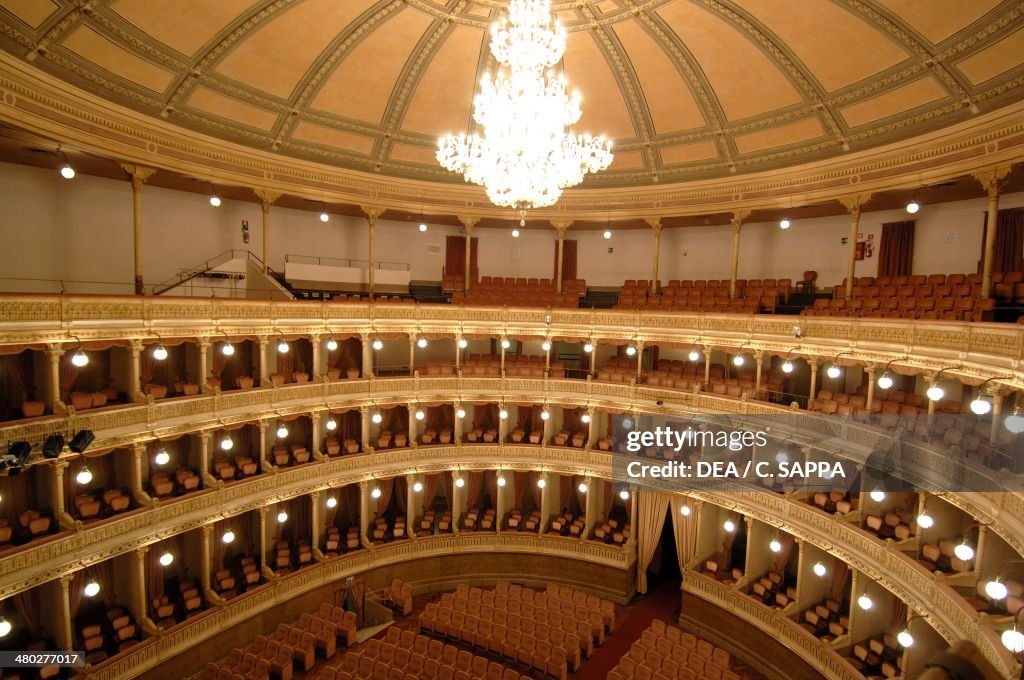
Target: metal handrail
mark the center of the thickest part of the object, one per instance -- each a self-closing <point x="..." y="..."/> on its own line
<point x="201" y="268"/>
<point x="345" y="262"/>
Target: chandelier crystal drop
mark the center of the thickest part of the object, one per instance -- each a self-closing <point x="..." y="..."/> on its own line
<point x="525" y="156"/>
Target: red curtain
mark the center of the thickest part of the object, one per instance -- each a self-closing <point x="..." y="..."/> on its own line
<point x="839" y="578"/>
<point x="896" y="251"/>
<point x="1008" y="251"/>
<point x="568" y="260"/>
<point x="455" y="257"/>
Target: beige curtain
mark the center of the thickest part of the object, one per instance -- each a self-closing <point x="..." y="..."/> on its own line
<point x="685" y="530"/>
<point x="647" y="529"/>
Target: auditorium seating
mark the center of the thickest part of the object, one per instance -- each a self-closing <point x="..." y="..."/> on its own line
<point x="825" y="620"/>
<point x="942" y="558"/>
<point x="836" y="502"/>
<point x="436" y="367"/>
<point x="772" y="590"/>
<point x="953" y="297"/>
<point x="399" y="596"/>
<point x="477" y="519"/>
<point x="665" y="651"/>
<point x="521" y="292"/>
<point x="896" y="524"/>
<point x="566" y="524"/>
<point x="612" y="531"/>
<point x="105" y="634"/>
<point x="880" y="656"/>
<point x="712" y="295"/>
<point x="1007" y="606"/>
<point x="283" y="455"/>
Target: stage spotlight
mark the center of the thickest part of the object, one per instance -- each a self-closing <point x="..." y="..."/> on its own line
<point x="82" y="441"/>
<point x="53" y="445"/>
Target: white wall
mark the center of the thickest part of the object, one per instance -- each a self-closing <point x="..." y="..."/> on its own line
<point x="53" y="229"/>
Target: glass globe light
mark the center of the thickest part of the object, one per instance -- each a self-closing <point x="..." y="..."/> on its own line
<point x="631" y="351"/>
<point x="546" y="346"/>
<point x="460" y="482"/>
<point x="694" y="355"/>
<point x="1012" y="639"/>
<point x="913" y="207"/>
<point x="420" y="415"/>
<point x="417" y="487"/>
<point x="585" y="418"/>
<point x="162" y="457"/>
<point x="331" y="425"/>
<point x="784" y="223"/>
<point x="905" y="638"/>
<point x="729" y="526"/>
<point x="332" y="345"/>
<point x="375" y="493"/>
<point x="775" y="545"/>
<point x="282" y="432"/>
<point x="226" y="443"/>
<point x="544" y="415"/>
<point x="996" y="589"/>
<point x="378" y="344"/>
<point x="980" y="406"/>
<point x="166" y="559"/>
<point x="67" y="172"/>
<point x="935" y="393"/>
<point x="460" y="413"/>
<point x="227" y="349"/>
<point x="159" y="352"/>
<point x="377" y="418"/>
<point x="964" y="552"/>
<point x="332" y="502"/>
<point x="685" y="511"/>
<point x="885" y="381"/>
<point x="282" y="517"/>
<point x="877" y="495"/>
<point x="501" y="481"/>
<point x="421" y="343"/>
<point x="607" y="233"/>
<point x="819" y="569"/>
<point x="92" y="589"/>
<point x="541" y="483"/>
<point x="738" y="360"/>
<point x="228" y="537"/>
<point x="582" y="487"/>
<point x="833" y="371"/>
<point x="505" y="344"/>
<point x="463" y="343"/>
<point x="324" y="217"/>
<point x="423" y="226"/>
<point x="84" y="476"/>
<point x="215" y="201"/>
<point x="282" y="347"/>
<point x="787" y="367"/>
<point x="515" y="233"/>
<point x="865" y="602"/>
<point x="80" y="359"/>
<point x="624" y="494"/>
<point x="5" y="628"/>
<point x="588" y="348"/>
<point x="1014" y="423"/>
<point x="503" y="414"/>
<point x="925" y="521"/>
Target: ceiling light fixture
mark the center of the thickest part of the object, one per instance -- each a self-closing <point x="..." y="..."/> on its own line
<point x="819" y="569"/>
<point x="66" y="171"/>
<point x="332" y="344"/>
<point x="92" y="589"/>
<point x="515" y="233"/>
<point x="378" y="344"/>
<point x="784" y="223"/>
<point x="228" y="537"/>
<point x="524" y="156"/>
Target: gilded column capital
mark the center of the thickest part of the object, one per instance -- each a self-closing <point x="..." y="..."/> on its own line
<point x="654" y="223"/>
<point x="468" y="222"/>
<point x="267" y="197"/>
<point x="140" y="174"/>
<point x="372" y="212"/>
<point x="855" y="202"/>
<point x="561" y="226"/>
<point x="739" y="217"/>
<point x="989" y="178"/>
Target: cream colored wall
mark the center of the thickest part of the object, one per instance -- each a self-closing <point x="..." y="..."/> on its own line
<point x="81" y="230"/>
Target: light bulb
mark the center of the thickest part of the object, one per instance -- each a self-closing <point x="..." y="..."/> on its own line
<point x="80" y="359"/>
<point x="332" y="502"/>
<point x="782" y="457"/>
<point x="417" y="487"/>
<point x="166" y="559"/>
<point x="877" y="495"/>
<point x="5" y="628"/>
<point x="421" y="343"/>
<point x="980" y="406"/>
<point x="1014" y="423"/>
<point x="159" y="352"/>
<point x="423" y="227"/>
<point x="505" y="344"/>
<point x="282" y="517"/>
<point x="84" y="476"/>
<point x="544" y="415"/>
<point x="607" y="233"/>
<point x="541" y="483"/>
<point x="503" y="414"/>
<point x="631" y="351"/>
<point x="935" y="393"/>
<point x="463" y="343"/>
<point x="515" y="233"/>
<point x="913" y="207"/>
<point x="627" y="424"/>
<point x="162" y="457"/>
<point x="324" y="217"/>
<point x="905" y="638"/>
<point x="833" y="371"/>
<point x="420" y="415"/>
<point x="865" y="602"/>
<point x="282" y="347"/>
<point x="819" y="569"/>
<point x="585" y="418"/>
<point x="215" y="201"/>
<point x="228" y="537"/>
<point x="92" y="589"/>
<point x="228" y="349"/>
<point x="787" y="367"/>
<point x="885" y="381"/>
<point x="282" y="432"/>
<point x="67" y="172"/>
<point x="694" y="355"/>
<point x="378" y="344"/>
<point x="964" y="552"/>
<point x="377" y="417"/>
<point x="624" y="494"/>
<point x="331" y="425"/>
<point x="784" y="223"/>
<point x="1012" y="639"/>
<point x="588" y="348"/>
<point x="332" y="345"/>
<point x="460" y="482"/>
<point x="775" y="545"/>
<point x="226" y="443"/>
<point x="996" y="590"/>
<point x="729" y="526"/>
<point x="685" y="511"/>
<point x="546" y="346"/>
<point x="376" y="492"/>
<point x="501" y="481"/>
<point x="460" y="413"/>
<point x="738" y="360"/>
<point x="582" y="487"/>
<point x="925" y="521"/>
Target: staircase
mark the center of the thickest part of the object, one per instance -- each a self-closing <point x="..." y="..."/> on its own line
<point x="202" y="269"/>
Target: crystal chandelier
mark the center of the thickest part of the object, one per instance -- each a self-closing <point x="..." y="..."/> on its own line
<point x="525" y="156"/>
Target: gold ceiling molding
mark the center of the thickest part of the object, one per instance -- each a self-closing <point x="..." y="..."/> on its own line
<point x="48" y="107"/>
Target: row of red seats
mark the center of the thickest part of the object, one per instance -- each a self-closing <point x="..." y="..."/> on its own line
<point x="666" y="652"/>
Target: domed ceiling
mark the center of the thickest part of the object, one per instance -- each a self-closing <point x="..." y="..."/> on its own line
<point x="688" y="89"/>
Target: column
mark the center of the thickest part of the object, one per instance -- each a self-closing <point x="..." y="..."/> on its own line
<point x="63" y="636"/>
<point x="206" y="557"/>
<point x="592" y="426"/>
<point x="930" y="381"/>
<point x="412" y="354"/>
<point x="264" y="567"/>
<point x="548" y="427"/>
<point x="545" y="501"/>
<point x="372" y="213"/>
<point x="502" y="360"/>
<point x="655" y="224"/>
<point x="205" y="439"/>
<point x="759" y="359"/>
<point x="468" y="222"/>
<point x="813" y="363"/>
<point x="503" y="428"/>
<point x="265" y="463"/>
<point x="367" y="344"/>
<point x="413" y="426"/>
<point x="364" y="512"/>
<point x="590" y="512"/>
<point x="138" y="595"/>
<point x="53" y="354"/>
<point x="500" y="504"/>
<point x="738" y="217"/>
<point x="204" y="365"/>
<point x="631" y="541"/>
<point x="139" y="176"/>
<point x="316" y="522"/>
<point x="871" y="387"/>
<point x="458" y="353"/>
<point x="639" y="359"/>
<point x="707" y="365"/>
<point x="135" y="374"/>
<point x="411" y="516"/>
<point x="264" y="345"/>
<point x="989" y="179"/>
<point x="318" y="370"/>
<point x="803" y="573"/>
<point x="267" y="199"/>
<point x="458" y="503"/>
<point x="138" y="451"/>
<point x="560" y="228"/>
<point x="364" y="428"/>
<point x="318" y="434"/>
<point x="457" y="427"/>
<point x="997" y="410"/>
<point x="853" y="205"/>
<point x="58" y="470"/>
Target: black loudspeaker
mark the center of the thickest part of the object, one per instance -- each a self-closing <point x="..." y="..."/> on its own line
<point x="81" y="441"/>
<point x="53" y="445"/>
<point x="17" y="455"/>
